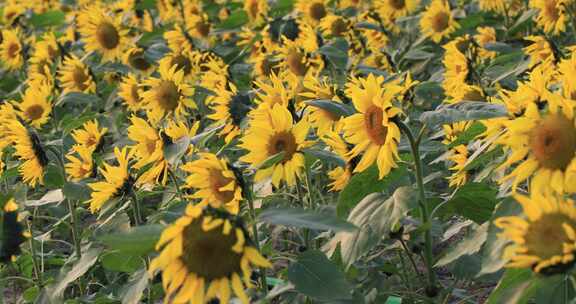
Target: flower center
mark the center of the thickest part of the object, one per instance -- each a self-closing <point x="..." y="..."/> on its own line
<point x="138" y="61"/>
<point x="553" y="142"/>
<point x="338" y="27"/>
<point x="167" y="95"/>
<point x="283" y="142"/>
<point x="397" y="4"/>
<point x="107" y="35"/>
<point x="91" y="141"/>
<point x="80" y="78"/>
<point x="203" y="28"/>
<point x="13" y="49"/>
<point x="34" y="112"/>
<point x="551" y="10"/>
<point x="134" y="93"/>
<point x="253" y="9"/>
<point x="373" y="123"/>
<point x="217" y="181"/>
<point x="182" y="63"/>
<point x="317" y="11"/>
<point x="150" y="146"/>
<point x="440" y="22"/>
<point x="208" y="254"/>
<point x="545" y="237"/>
<point x="295" y="60"/>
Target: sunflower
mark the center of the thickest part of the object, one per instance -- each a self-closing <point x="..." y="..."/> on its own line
<point x="75" y="76"/>
<point x="215" y="182"/>
<point x="256" y="10"/>
<point x="82" y="167"/>
<point x="452" y="131"/>
<point x="230" y="107"/>
<point x="46" y="51"/>
<point x="90" y="136"/>
<point x="394" y="9"/>
<point x="456" y="66"/>
<point x="212" y="69"/>
<point x="485" y="36"/>
<point x="544" y="146"/>
<point x="552" y="15"/>
<point x="179" y="40"/>
<point x="204" y="254"/>
<point x="459" y="156"/>
<point x="545" y="239"/>
<point x="103" y="34"/>
<point x="372" y="130"/>
<point x="28" y="149"/>
<point x="321" y="119"/>
<point x="540" y="51"/>
<point x="35" y="107"/>
<point x="130" y="92"/>
<point x="567" y="74"/>
<point x="268" y="137"/>
<point x="298" y="62"/>
<point x="11" y="49"/>
<point x="11" y="11"/>
<point x="271" y="91"/>
<point x="149" y="149"/>
<point x="198" y="26"/>
<point x="135" y="59"/>
<point x="335" y="26"/>
<point x="498" y="6"/>
<point x="168" y="94"/>
<point x="183" y="62"/>
<point x="340" y="176"/>
<point x="312" y="11"/>
<point x="12" y="233"/>
<point x="437" y="21"/>
<point x="117" y="180"/>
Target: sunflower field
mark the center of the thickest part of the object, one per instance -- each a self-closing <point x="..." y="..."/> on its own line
<point x="287" y="151"/>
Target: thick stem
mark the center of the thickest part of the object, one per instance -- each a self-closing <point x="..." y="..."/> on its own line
<point x="74" y="228"/>
<point x="136" y="204"/>
<point x="250" y="200"/>
<point x="409" y="254"/>
<point x="414" y="147"/>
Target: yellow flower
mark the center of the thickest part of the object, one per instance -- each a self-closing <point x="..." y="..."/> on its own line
<point x="543" y="145"/>
<point x="212" y="69"/>
<point x="183" y="62"/>
<point x="215" y="182"/>
<point x="74" y="76"/>
<point x="168" y="94"/>
<point x="551" y="15"/>
<point x="11" y="49"/>
<point x="335" y="26"/>
<point x="135" y="59"/>
<point x="178" y="40"/>
<point x="90" y="136"/>
<point x="321" y="88"/>
<point x="205" y="255"/>
<point x="117" y="179"/>
<point x="485" y="36"/>
<point x="567" y="74"/>
<point x="268" y="137"/>
<point x="312" y="11"/>
<point x="103" y="34"/>
<point x="340" y="176"/>
<point x="230" y="107"/>
<point x="437" y="21"/>
<point x="130" y="92"/>
<point x="256" y="10"/>
<point x="458" y="155"/>
<point x="45" y="53"/>
<point x="372" y="130"/>
<point x="80" y="168"/>
<point x="498" y="6"/>
<point x="297" y="59"/>
<point x="452" y="131"/>
<point x="394" y="9"/>
<point x="198" y="26"/>
<point x="545" y="239"/>
<point x="35" y="107"/>
<point x="149" y="149"/>
<point x="539" y="51"/>
<point x="12" y="10"/>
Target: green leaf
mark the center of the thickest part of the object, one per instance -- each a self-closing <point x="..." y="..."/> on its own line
<point x="469" y="134"/>
<point x="474" y="201"/>
<point x="132" y="292"/>
<point x="365" y="183"/>
<point x="137" y="241"/>
<point x="53" y="177"/>
<point x="173" y="152"/>
<point x="325" y="155"/>
<point x="522" y="21"/>
<point x="336" y="108"/>
<point x="49" y="18"/>
<point x="297" y="217"/>
<point x="468" y="246"/>
<point x="70" y="274"/>
<point x="511" y="286"/>
<point x="375" y="215"/>
<point x="315" y="276"/>
<point x="121" y="262"/>
<point x="234" y="21"/>
<point x="271" y="161"/>
<point x="463" y="111"/>
<point x="76" y="191"/>
<point x="337" y="53"/>
<point x="51" y="197"/>
<point x="77" y="98"/>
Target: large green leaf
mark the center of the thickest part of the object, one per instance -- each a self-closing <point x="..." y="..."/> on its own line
<point x="74" y="271"/>
<point x="234" y="21"/>
<point x="298" y="217"/>
<point x="511" y="286"/>
<point x="474" y="201"/>
<point x="120" y="261"/>
<point x="468" y="246"/>
<point x="336" y="108"/>
<point x="137" y="241"/>
<point x="132" y="291"/>
<point x="463" y="111"/>
<point x="173" y="152"/>
<point x="314" y="275"/>
<point x="49" y="18"/>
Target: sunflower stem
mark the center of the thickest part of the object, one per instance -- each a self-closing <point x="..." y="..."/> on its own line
<point x="176" y="184"/>
<point x="74" y="228"/>
<point x="137" y="213"/>
<point x="414" y="147"/>
<point x="250" y="200"/>
<point x="37" y="272"/>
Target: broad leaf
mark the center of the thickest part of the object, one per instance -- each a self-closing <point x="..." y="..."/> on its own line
<point x="463" y="111"/>
<point x="78" y="268"/>
<point x="174" y="151"/>
<point x="468" y="246"/>
<point x="336" y="108"/>
<point x="137" y="241"/>
<point x="132" y="291"/>
<point x="474" y="201"/>
<point x="297" y="217"/>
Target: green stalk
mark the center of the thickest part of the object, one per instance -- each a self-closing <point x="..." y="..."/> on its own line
<point x="34" y="262"/>
<point x="414" y="147"/>
<point x="137" y="213"/>
<point x="74" y="228"/>
<point x="250" y="200"/>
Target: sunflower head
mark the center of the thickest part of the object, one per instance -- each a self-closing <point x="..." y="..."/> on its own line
<point x="103" y="34"/>
<point x="136" y="60"/>
<point x="36" y="106"/>
<point x="75" y="76"/>
<point x="437" y="22"/>
<point x="205" y="255"/>
<point x="553" y="142"/>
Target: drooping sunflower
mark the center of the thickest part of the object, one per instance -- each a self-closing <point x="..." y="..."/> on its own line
<point x="149" y="149"/>
<point x="459" y="156"/>
<point x="135" y="59"/>
<point x="271" y="91"/>
<point x="437" y="21"/>
<point x="543" y="145"/>
<point x="540" y="51"/>
<point x="35" y="107"/>
<point x="552" y="15"/>
<point x="206" y="254"/>
<point x="545" y="239"/>
<point x="11" y="49"/>
<point x="321" y="119"/>
<point x="269" y="137"/>
<point x="394" y="9"/>
<point x="169" y="94"/>
<point x="215" y="182"/>
<point x="256" y="10"/>
<point x="183" y="62"/>
<point x="179" y="40"/>
<point x="103" y="34"/>
<point x="372" y="130"/>
<point x="340" y="176"/>
<point x="486" y="35"/>
<point x="312" y="11"/>
<point x="117" y="179"/>
<point x="74" y="76"/>
<point x="45" y="53"/>
<point x="81" y="167"/>
<point x="130" y="92"/>
<point x="567" y="73"/>
<point x="230" y="108"/>
<point x="90" y="135"/>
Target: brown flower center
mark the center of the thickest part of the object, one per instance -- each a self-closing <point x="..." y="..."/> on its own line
<point x="80" y="78"/>
<point x="553" y="142"/>
<point x="440" y="22"/>
<point x="217" y="181"/>
<point x="13" y="50"/>
<point x="167" y="95"/>
<point x="208" y="254"/>
<point x="296" y="64"/>
<point x="34" y="112"/>
<point x="150" y="146"/>
<point x="91" y="141"/>
<point x="253" y="9"/>
<point x="338" y="27"/>
<point x="203" y="28"/>
<point x="107" y="35"/>
<point x="138" y="61"/>
<point x="373" y="123"/>
<point x="551" y="10"/>
<point x="545" y="237"/>
<point x="134" y="93"/>
<point x="283" y="142"/>
<point x="182" y="63"/>
<point x="317" y="11"/>
<point x="397" y="4"/>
